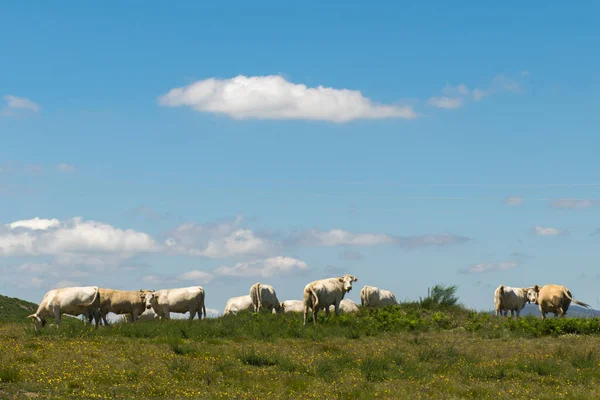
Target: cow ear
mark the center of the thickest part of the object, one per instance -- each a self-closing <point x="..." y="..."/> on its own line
<point x="355" y="279"/>
<point x="341" y="279"/>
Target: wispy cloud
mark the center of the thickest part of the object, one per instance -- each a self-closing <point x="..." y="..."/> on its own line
<point x="445" y="102"/>
<point x="514" y="201"/>
<point x="196" y="276"/>
<point x="575" y="203"/>
<point x="65" y="168"/>
<point x="457" y="96"/>
<point x="340" y="237"/>
<point x="273" y="97"/>
<point x="14" y="104"/>
<point x="546" y="231"/>
<point x="489" y="267"/>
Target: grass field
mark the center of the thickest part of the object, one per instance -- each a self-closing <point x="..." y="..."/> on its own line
<point x="404" y="351"/>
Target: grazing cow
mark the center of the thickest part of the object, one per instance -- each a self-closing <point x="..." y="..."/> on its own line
<point x="370" y="296"/>
<point x="511" y="299"/>
<point x="553" y="298"/>
<point x="264" y="296"/>
<point x="181" y="300"/>
<point x="70" y="300"/>
<point x="147" y="315"/>
<point x="130" y="302"/>
<point x="326" y="292"/>
<point x="293" y="306"/>
<point x="238" y="304"/>
<point x="346" y="306"/>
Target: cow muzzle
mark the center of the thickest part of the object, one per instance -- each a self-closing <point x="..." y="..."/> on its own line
<point x="148" y="307"/>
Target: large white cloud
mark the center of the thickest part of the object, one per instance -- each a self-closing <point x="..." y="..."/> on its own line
<point x="220" y="240"/>
<point x="264" y="268"/>
<point x="49" y="237"/>
<point x="273" y="97"/>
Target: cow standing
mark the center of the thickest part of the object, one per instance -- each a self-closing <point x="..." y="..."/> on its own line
<point x="511" y="299"/>
<point x="130" y="302"/>
<point x="70" y="300"/>
<point x="264" y="297"/>
<point x="371" y="296"/>
<point x="181" y="300"/>
<point x="553" y="298"/>
<point x="326" y="292"/>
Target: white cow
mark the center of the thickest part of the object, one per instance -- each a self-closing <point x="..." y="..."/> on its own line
<point x="370" y="296"/>
<point x="181" y="300"/>
<point x="70" y="300"/>
<point x="293" y="306"/>
<point x="264" y="296"/>
<point x="511" y="299"/>
<point x="237" y="304"/>
<point x="326" y="292"/>
<point x="346" y="306"/>
<point x="147" y="315"/>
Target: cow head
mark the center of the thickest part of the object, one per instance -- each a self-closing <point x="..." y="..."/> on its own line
<point x="532" y="294"/>
<point x="280" y="308"/>
<point x="150" y="298"/>
<point x="347" y="281"/>
<point x="38" y="322"/>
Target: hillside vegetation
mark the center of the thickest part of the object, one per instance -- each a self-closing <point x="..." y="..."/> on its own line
<point x="15" y="310"/>
<point x="426" y="349"/>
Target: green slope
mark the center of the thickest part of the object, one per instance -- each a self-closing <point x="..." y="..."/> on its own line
<point x="15" y="310"/>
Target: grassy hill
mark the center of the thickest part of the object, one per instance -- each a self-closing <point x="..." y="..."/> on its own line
<point x="15" y="310"/>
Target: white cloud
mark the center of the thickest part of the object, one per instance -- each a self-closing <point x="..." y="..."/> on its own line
<point x="212" y="313"/>
<point x="264" y="268"/>
<point x="14" y="104"/>
<point x="47" y="237"/>
<point x="541" y="231"/>
<point x="30" y="283"/>
<point x="35" y="223"/>
<point x="574" y="203"/>
<point x="64" y="284"/>
<point x="36" y="268"/>
<point x="445" y="102"/>
<point x="514" y="201"/>
<point x="62" y="167"/>
<point x="220" y="240"/>
<point x="487" y="267"/>
<point x="273" y="97"/>
<point x="339" y="237"/>
<point x="199" y="276"/>
<point x="460" y="89"/>
<point x="461" y="93"/>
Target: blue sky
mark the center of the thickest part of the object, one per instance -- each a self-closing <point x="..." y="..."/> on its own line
<point x="164" y="146"/>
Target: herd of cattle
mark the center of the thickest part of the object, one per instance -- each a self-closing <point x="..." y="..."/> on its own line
<point x="325" y="294"/>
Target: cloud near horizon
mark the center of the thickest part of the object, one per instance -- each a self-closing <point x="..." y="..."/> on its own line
<point x="273" y="97"/>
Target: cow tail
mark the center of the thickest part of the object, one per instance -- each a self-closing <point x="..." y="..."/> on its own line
<point x="204" y="303"/>
<point x="498" y="298"/>
<point x="568" y="294"/>
<point x="96" y="298"/>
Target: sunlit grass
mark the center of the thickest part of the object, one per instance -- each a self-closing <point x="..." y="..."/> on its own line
<point x="405" y="351"/>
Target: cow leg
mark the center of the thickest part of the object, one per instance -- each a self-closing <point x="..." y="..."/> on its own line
<point x="305" y="312"/>
<point x="57" y="316"/>
<point x="134" y="316"/>
<point x="166" y="312"/>
<point x="326" y="312"/>
<point x="337" y="308"/>
<point x="315" y="312"/>
<point x="192" y="314"/>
